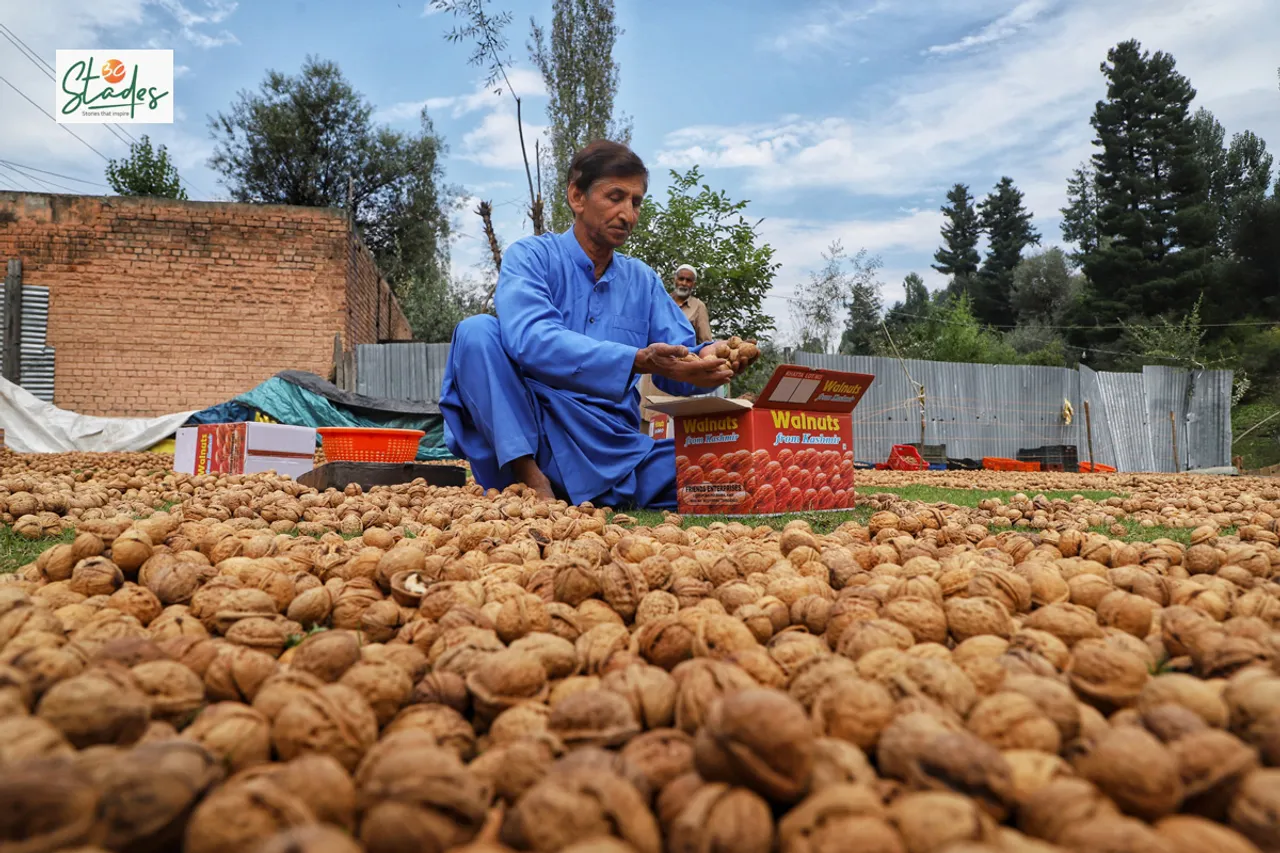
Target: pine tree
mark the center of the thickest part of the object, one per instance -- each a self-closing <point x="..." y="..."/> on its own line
<point x="1248" y="176"/>
<point x="862" y="327"/>
<point x="1080" y="216"/>
<point x="1156" y="229"/>
<point x="146" y="171"/>
<point x="1009" y="230"/>
<point x="581" y="77"/>
<point x="958" y="257"/>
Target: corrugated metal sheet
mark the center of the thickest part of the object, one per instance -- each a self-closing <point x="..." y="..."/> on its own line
<point x="37" y="358"/>
<point x="409" y="371"/>
<point x="976" y="410"/>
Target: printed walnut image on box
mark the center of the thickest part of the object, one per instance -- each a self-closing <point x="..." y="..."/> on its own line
<point x="791" y="450"/>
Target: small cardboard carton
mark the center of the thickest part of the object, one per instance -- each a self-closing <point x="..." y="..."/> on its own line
<point x="244" y="448"/>
<point x="790" y="451"/>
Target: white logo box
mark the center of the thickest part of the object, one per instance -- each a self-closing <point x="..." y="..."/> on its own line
<point x="114" y="87"/>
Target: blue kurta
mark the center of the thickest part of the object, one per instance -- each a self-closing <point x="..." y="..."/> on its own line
<point x="552" y="377"/>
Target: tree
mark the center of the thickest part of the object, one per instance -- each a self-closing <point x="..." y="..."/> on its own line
<point x="1009" y="231"/>
<point x="819" y="303"/>
<point x="309" y="140"/>
<point x="951" y="332"/>
<point x="1155" y="225"/>
<point x="1043" y="288"/>
<point x="1169" y="340"/>
<point x="1080" y="216"/>
<point x="915" y="305"/>
<point x="958" y="256"/>
<point x="1248" y="177"/>
<point x="145" y="172"/>
<point x="862" y="328"/>
<point x="706" y="229"/>
<point x="486" y="31"/>
<point x="581" y="76"/>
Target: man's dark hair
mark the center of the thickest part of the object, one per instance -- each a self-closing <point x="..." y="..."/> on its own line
<point x="605" y="159"/>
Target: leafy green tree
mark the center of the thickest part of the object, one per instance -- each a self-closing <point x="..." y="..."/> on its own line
<point x="309" y="140"/>
<point x="706" y="229"/>
<point x="820" y="302"/>
<point x="1169" y="340"/>
<point x="581" y="77"/>
<point x="1248" y="176"/>
<point x="146" y="171"/>
<point x="915" y="305"/>
<point x="951" y="332"/>
<point x="1155" y="225"/>
<point x="1080" y="216"/>
<point x="1044" y="287"/>
<point x="1037" y="343"/>
<point x="958" y="256"/>
<point x="862" y="328"/>
<point x="433" y="305"/>
<point x="1009" y="230"/>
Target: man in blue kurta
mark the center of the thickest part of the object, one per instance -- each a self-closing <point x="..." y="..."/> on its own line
<point x="545" y="393"/>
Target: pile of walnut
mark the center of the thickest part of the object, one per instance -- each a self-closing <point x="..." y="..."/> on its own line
<point x="526" y="676"/>
<point x="736" y="351"/>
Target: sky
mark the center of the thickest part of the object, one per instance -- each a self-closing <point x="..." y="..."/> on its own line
<point x="840" y="121"/>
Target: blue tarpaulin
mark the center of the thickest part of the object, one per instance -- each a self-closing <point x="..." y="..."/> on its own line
<point x="304" y="399"/>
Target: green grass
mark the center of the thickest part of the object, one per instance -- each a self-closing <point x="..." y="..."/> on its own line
<point x="1135" y="532"/>
<point x="1260" y="448"/>
<point x="16" y="552"/>
<point x="971" y="497"/>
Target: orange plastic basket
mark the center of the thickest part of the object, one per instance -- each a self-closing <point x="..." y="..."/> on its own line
<point x="362" y="444"/>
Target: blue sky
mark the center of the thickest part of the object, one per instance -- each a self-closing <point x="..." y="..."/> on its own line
<point x="838" y="120"/>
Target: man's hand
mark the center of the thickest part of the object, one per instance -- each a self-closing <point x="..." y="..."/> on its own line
<point x="677" y="364"/>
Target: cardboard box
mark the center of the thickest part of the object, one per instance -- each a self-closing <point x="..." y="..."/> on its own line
<point x="244" y="448"/>
<point x="790" y="451"/>
<point x="660" y="425"/>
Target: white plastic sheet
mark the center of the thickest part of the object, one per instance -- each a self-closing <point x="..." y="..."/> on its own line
<point x="34" y="426"/>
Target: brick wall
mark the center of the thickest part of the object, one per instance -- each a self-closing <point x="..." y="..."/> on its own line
<point x="158" y="306"/>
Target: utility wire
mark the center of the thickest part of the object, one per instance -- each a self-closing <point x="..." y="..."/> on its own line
<point x="54" y="174"/>
<point x="54" y="120"/>
<point x="39" y="181"/>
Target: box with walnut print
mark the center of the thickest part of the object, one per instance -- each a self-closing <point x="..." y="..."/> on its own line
<point x="790" y="451"/>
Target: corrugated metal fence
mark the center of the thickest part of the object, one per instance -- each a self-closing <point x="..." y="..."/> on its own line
<point x="981" y="410"/>
<point x="976" y="410"/>
<point x="36" y="357"/>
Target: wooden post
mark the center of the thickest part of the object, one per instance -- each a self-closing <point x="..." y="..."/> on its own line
<point x="337" y="359"/>
<point x="1173" y="428"/>
<point x="1088" y="431"/>
<point x="12" y="366"/>
<point x="922" y="421"/>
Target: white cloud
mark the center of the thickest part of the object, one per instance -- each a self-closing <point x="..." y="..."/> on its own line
<point x="824" y="27"/>
<point x="192" y="22"/>
<point x="429" y="9"/>
<point x="524" y="82"/>
<point x="1011" y="23"/>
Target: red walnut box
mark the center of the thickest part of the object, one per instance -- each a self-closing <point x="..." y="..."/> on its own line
<point x="791" y="451"/>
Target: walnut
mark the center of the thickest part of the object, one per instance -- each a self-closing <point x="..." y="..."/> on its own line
<point x="1170" y="722"/>
<point x="1202" y="697"/>
<point x="50" y="805"/>
<point x="149" y="791"/>
<point x="1070" y="623"/>
<point x="660" y="756"/>
<point x="596" y="645"/>
<point x="1054" y="699"/>
<point x="578" y="805"/>
<point x="414" y="796"/>
<point x="1105" y="676"/>
<point x="442" y="688"/>
<point x="699" y="682"/>
<point x="594" y="717"/>
<point x="505" y="679"/>
<point x="1190" y="834"/>
<point x="327" y="654"/>
<point x="1033" y="769"/>
<point x="176" y="693"/>
<point x="1130" y="613"/>
<point x="446" y="726"/>
<point x="852" y="709"/>
<point x="666" y="641"/>
<point x="385" y="686"/>
<point x="651" y="691"/>
<point x="137" y="601"/>
<point x="236" y="734"/>
<point x="513" y="767"/>
<point x="1114" y="833"/>
<point x="1133" y="768"/>
<point x="24" y="738"/>
<point x="1051" y="811"/>
<point x="233" y="818"/>
<point x="558" y="656"/>
<point x="101" y="705"/>
<point x="938" y="680"/>
<point x="256" y="632"/>
<point x="972" y="617"/>
<point x="317" y="838"/>
<point x="1010" y="720"/>
<point x="521" y="615"/>
<point x="311" y="607"/>
<point x="933" y="820"/>
<point x="1254" y="811"/>
<point x="720" y="817"/>
<point x="195" y="653"/>
<point x="333" y="720"/>
<point x="236" y="673"/>
<point x="96" y="576"/>
<point x="863" y="637"/>
<point x="758" y="738"/>
<point x="1212" y="765"/>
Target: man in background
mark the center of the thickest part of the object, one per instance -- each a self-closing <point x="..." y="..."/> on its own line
<point x="695" y="311"/>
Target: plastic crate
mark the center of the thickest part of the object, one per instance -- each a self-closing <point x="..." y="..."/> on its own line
<point x="1052" y="457"/>
<point x="937" y="466"/>
<point x="904" y="457"/>
<point x="931" y="452"/>
<point x="1099" y="468"/>
<point x="359" y="444"/>
<point x="996" y="463"/>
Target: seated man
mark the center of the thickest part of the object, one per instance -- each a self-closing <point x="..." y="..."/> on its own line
<point x="544" y="394"/>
